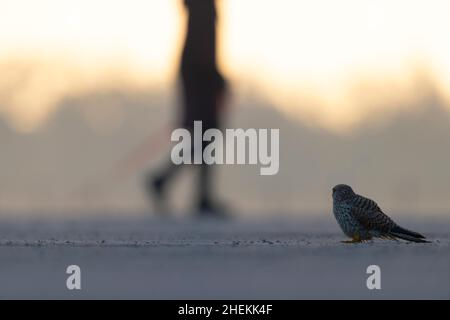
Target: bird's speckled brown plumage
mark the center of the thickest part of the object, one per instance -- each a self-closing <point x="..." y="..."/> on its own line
<point x="362" y="219"/>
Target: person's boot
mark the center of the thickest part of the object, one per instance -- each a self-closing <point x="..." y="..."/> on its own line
<point x="210" y="209"/>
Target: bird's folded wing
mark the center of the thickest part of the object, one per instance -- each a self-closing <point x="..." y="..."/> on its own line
<point x="373" y="219"/>
<point x="365" y="203"/>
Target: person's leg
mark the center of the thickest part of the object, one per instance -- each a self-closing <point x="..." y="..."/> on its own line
<point x="207" y="204"/>
<point x="204" y="187"/>
<point x="169" y="170"/>
<point x="156" y="184"/>
<point x="165" y="174"/>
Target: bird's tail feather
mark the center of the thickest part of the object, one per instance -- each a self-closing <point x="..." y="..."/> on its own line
<point x="407" y="232"/>
<point x="408" y="237"/>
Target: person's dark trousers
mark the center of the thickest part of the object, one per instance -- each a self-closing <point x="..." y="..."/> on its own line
<point x="204" y="181"/>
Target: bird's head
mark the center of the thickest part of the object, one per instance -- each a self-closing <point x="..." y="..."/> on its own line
<point x="342" y="192"/>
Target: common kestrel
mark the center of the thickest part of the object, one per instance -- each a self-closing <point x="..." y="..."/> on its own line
<point x="361" y="219"/>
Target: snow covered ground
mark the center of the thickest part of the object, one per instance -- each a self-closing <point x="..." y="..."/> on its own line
<point x="252" y="258"/>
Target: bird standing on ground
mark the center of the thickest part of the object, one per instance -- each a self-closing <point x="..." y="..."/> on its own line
<point x="361" y="219"/>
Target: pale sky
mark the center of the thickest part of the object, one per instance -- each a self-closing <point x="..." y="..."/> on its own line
<point x="307" y="57"/>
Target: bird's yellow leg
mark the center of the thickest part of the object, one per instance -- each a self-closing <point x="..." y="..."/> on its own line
<point x="355" y="239"/>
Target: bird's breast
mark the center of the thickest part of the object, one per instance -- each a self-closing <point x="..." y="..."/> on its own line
<point x="342" y="213"/>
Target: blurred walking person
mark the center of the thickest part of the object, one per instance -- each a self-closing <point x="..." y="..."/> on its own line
<point x="203" y="90"/>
